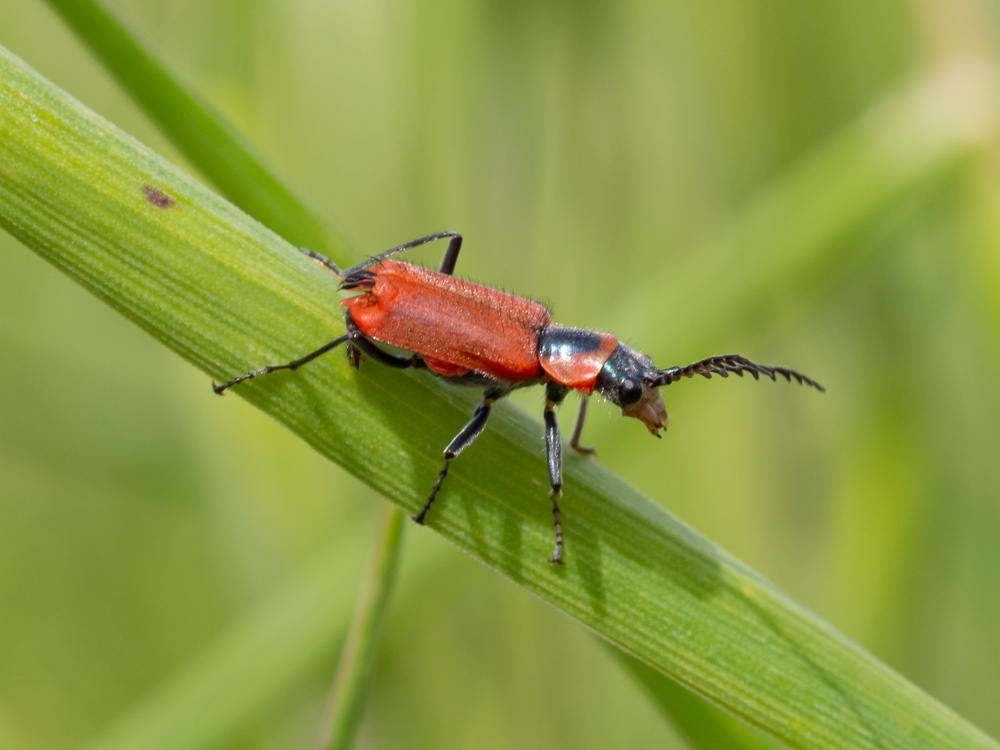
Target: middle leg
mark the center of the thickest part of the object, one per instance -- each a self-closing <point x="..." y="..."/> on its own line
<point x="462" y="440"/>
<point x="554" y="394"/>
<point x="574" y="441"/>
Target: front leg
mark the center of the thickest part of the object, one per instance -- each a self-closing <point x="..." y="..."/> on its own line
<point x="574" y="441"/>
<point x="554" y="394"/>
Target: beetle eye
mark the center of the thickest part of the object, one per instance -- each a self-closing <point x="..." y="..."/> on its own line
<point x="629" y="392"/>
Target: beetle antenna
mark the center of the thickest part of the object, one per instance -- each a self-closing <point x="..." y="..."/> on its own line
<point x="450" y="256"/>
<point x="322" y="259"/>
<point x="731" y="363"/>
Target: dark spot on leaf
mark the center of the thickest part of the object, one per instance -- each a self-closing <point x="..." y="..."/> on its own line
<point x="157" y="197"/>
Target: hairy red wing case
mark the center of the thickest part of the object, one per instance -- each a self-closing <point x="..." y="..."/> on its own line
<point x="456" y="325"/>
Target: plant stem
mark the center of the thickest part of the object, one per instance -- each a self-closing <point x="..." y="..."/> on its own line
<point x="354" y="670"/>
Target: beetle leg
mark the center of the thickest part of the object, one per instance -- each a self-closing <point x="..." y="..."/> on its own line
<point x="357" y="343"/>
<point x="322" y="259"/>
<point x="553" y="455"/>
<point x="462" y="440"/>
<point x="451" y="255"/>
<point x="574" y="441"/>
<point x="293" y="365"/>
<point x="554" y="394"/>
<point x="369" y="348"/>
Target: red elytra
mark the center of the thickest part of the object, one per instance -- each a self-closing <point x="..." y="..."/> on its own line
<point x="456" y="326"/>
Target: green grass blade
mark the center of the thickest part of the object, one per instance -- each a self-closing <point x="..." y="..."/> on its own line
<point x="228" y="295"/>
<point x="204" y="136"/>
<point x="704" y="725"/>
<point x="354" y="670"/>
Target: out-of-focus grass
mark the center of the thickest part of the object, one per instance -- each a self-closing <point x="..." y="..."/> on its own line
<point x="630" y="132"/>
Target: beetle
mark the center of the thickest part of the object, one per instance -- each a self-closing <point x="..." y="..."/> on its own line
<point x="478" y="336"/>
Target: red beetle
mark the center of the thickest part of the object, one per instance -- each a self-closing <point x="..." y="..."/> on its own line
<point x="478" y="336"/>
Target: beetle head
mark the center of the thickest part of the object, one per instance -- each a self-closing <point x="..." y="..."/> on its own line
<point x="631" y="380"/>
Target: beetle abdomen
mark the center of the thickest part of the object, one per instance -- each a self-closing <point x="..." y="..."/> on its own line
<point x="456" y="326"/>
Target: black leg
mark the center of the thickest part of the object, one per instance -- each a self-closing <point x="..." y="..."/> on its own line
<point x="462" y="440"/>
<point x="369" y="348"/>
<point x="553" y="454"/>
<point x="450" y="256"/>
<point x="574" y="441"/>
<point x="553" y="449"/>
<point x="321" y="258"/>
<point x="554" y="394"/>
<point x="357" y="343"/>
<point x="556" y="558"/>
<point x="293" y="365"/>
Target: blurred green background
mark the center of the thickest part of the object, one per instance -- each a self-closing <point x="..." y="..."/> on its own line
<point x="810" y="184"/>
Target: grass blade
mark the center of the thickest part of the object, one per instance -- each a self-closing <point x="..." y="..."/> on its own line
<point x="227" y="294"/>
<point x="204" y="136"/>
<point x="354" y="670"/>
<point x="701" y="723"/>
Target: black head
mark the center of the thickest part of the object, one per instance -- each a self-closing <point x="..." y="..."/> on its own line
<point x="631" y="380"/>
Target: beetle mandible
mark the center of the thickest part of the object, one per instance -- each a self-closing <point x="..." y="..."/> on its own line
<point x="478" y="336"/>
